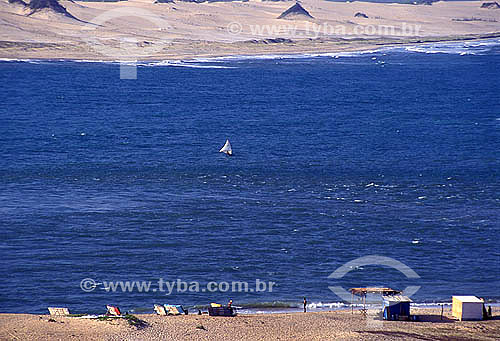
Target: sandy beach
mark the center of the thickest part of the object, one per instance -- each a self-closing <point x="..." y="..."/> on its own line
<point x="335" y="325"/>
<point x="143" y="30"/>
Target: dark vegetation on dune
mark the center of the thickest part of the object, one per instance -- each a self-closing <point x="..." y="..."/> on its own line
<point x="52" y="5"/>
<point x="490" y="5"/>
<point x="37" y="5"/>
<point x="101" y="0"/>
<point x="295" y="11"/>
<point x="20" y="2"/>
<point x="360" y="15"/>
<point x="196" y="1"/>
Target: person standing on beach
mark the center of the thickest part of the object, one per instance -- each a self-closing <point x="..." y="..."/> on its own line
<point x="305" y="305"/>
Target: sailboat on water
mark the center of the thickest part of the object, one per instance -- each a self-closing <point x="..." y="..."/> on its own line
<point x="227" y="149"/>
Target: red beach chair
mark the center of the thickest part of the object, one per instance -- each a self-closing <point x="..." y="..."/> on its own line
<point x="114" y="311"/>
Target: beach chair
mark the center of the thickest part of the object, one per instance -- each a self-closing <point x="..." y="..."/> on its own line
<point x="113" y="311"/>
<point x="221" y="311"/>
<point x="160" y="310"/>
<point x="174" y="309"/>
<point x="58" y="311"/>
<point x="215" y="305"/>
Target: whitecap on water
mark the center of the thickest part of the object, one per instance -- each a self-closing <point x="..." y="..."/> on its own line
<point x="356" y="267"/>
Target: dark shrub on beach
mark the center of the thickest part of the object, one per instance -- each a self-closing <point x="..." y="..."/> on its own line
<point x="360" y="15"/>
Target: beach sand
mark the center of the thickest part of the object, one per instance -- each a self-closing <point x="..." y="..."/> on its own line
<point x="142" y="30"/>
<point x="335" y="325"/>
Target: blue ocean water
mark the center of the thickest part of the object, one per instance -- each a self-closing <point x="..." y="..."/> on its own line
<point x="391" y="153"/>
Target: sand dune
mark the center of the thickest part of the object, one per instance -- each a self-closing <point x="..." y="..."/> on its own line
<point x="141" y="29"/>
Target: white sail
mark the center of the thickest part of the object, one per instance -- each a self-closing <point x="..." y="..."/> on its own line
<point x="227" y="148"/>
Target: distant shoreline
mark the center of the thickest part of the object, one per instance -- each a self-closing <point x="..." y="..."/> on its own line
<point x="191" y="50"/>
<point x="97" y="31"/>
<point x="422" y="307"/>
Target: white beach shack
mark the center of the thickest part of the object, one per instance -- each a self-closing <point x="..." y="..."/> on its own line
<point x="467" y="307"/>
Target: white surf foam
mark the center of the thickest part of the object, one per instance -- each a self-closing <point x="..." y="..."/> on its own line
<point x="190" y="64"/>
<point x="477" y="47"/>
<point x="460" y="47"/>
